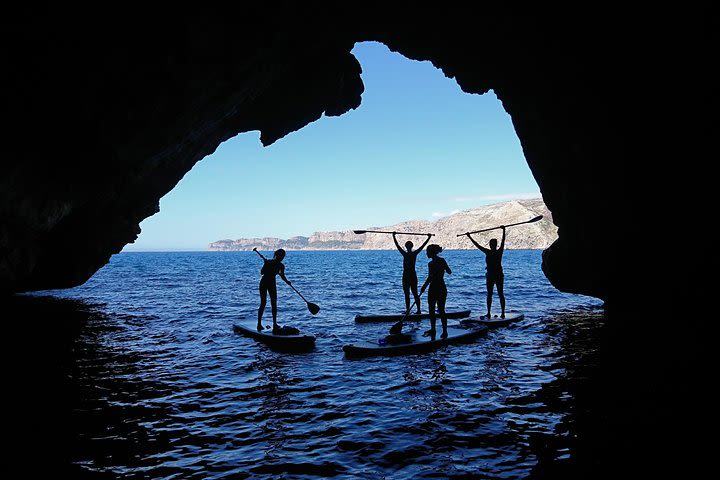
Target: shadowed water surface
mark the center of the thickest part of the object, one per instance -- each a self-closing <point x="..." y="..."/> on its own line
<point x="148" y="380"/>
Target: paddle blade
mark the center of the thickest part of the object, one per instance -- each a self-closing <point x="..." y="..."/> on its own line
<point x="314" y="309"/>
<point x="397" y="328"/>
<point x="359" y="232"/>
<point x="539" y="217"/>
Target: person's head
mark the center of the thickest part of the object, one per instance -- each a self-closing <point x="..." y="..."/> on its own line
<point x="433" y="250"/>
<point x="279" y="254"/>
<point x="493" y="243"/>
<point x="409" y="245"/>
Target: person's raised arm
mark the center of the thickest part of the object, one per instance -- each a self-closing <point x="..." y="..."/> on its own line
<point x="262" y="270"/>
<point x="425" y="242"/>
<point x="397" y="244"/>
<point x="502" y="242"/>
<point x="477" y="244"/>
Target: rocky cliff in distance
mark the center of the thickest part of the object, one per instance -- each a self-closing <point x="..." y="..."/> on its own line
<point x="538" y="235"/>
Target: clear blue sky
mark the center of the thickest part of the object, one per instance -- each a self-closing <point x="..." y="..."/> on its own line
<point x="416" y="148"/>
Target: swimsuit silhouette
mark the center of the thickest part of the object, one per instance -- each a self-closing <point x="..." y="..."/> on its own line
<point x="410" y="280"/>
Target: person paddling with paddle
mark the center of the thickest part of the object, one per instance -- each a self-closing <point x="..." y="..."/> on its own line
<point x="494" y="272"/>
<point x="270" y="269"/>
<point x="409" y="279"/>
<point x="437" y="291"/>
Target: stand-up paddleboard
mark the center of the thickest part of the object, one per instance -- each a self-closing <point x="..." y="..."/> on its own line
<point x="285" y="343"/>
<point x="410" y="318"/>
<point x="495" y="320"/>
<point x="415" y="342"/>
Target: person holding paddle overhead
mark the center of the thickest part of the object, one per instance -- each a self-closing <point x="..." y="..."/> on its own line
<point x="437" y="291"/>
<point x="270" y="269"/>
<point x="494" y="272"/>
<point x="409" y="279"/>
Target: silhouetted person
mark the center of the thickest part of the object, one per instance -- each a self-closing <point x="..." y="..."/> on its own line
<point x="494" y="272"/>
<point x="410" y="280"/>
<point x="437" y="291"/>
<point x="270" y="269"/>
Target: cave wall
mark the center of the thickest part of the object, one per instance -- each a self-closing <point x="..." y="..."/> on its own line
<point x="104" y="117"/>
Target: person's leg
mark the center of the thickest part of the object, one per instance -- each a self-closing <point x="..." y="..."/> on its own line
<point x="431" y="310"/>
<point x="406" y="292"/>
<point x="263" y="302"/>
<point x="501" y="294"/>
<point x="441" y="309"/>
<point x="413" y="287"/>
<point x="489" y="282"/>
<point x="272" y="290"/>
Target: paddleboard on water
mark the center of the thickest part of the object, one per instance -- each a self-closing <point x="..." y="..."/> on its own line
<point x="415" y="342"/>
<point x="299" y="342"/>
<point x="410" y="318"/>
<point x="495" y="320"/>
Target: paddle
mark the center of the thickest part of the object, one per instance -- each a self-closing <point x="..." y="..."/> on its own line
<point x="532" y="220"/>
<point x="360" y="232"/>
<point x="314" y="309"/>
<point x="397" y="328"/>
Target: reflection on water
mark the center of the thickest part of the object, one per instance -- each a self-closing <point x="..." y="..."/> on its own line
<point x="163" y="388"/>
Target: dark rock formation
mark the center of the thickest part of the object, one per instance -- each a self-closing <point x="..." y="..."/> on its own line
<point x="105" y="111"/>
<point x="104" y="117"/>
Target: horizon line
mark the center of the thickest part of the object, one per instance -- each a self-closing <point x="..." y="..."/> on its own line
<point x="304" y="250"/>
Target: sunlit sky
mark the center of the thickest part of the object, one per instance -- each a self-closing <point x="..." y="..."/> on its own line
<point x="417" y="147"/>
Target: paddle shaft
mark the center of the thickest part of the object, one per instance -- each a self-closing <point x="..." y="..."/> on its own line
<point x="301" y="296"/>
<point x="510" y="225"/>
<point x="360" y="232"/>
<point x="399" y="324"/>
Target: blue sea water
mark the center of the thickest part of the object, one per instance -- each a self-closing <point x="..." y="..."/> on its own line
<point x="155" y="384"/>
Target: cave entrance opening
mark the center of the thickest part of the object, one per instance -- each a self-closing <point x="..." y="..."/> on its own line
<point x="417" y="147"/>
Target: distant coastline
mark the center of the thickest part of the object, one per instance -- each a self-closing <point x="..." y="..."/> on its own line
<point x="534" y="236"/>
